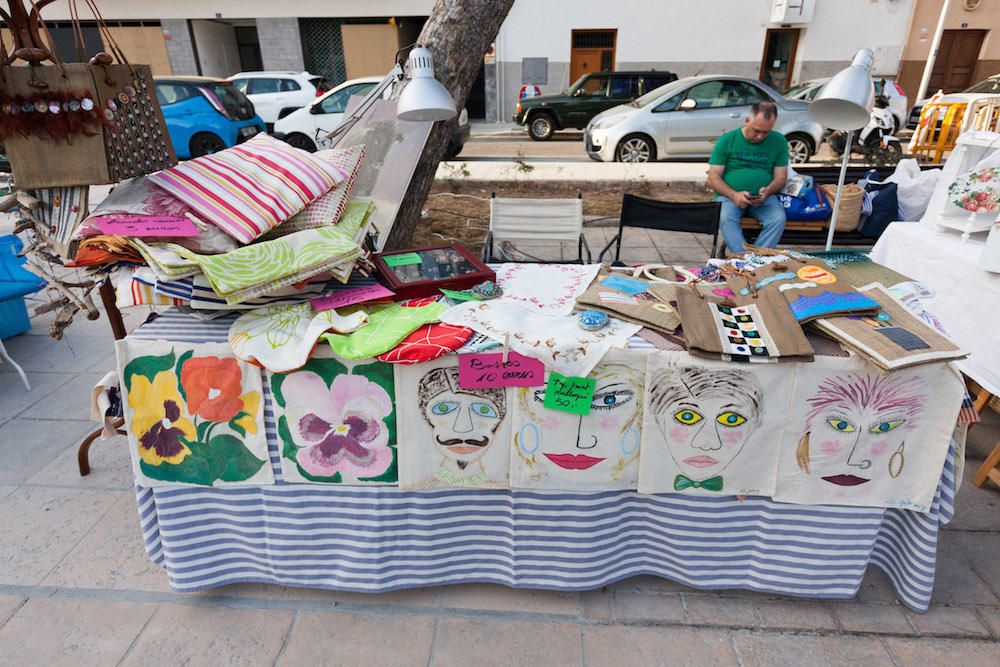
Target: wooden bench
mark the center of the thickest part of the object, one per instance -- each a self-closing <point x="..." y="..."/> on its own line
<point x="798" y="232"/>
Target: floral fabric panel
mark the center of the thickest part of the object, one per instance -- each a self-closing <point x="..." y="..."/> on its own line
<point x="426" y="343"/>
<point x="594" y="452"/>
<point x="558" y="342"/>
<point x="454" y="437"/>
<point x="977" y="191"/>
<point x="194" y="415"/>
<point x="547" y="289"/>
<point x="260" y="268"/>
<point x="162" y="258"/>
<point x="280" y="338"/>
<point x="388" y="324"/>
<point x="336" y="422"/>
<point x="712" y="427"/>
<point x="328" y="209"/>
<point x="858" y="436"/>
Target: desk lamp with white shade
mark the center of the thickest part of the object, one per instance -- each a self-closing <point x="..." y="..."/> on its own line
<point x="845" y="103"/>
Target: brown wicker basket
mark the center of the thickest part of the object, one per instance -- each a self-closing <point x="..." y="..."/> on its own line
<point x="849" y="214"/>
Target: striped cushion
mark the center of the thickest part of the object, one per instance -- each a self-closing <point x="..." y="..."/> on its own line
<point x="250" y="188"/>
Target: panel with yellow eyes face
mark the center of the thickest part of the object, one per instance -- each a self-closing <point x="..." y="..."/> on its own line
<point x="704" y="435"/>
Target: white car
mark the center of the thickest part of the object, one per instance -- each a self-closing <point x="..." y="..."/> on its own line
<point x="306" y="127"/>
<point x="988" y="87"/>
<point x="683" y="119"/>
<point x="277" y="94"/>
<point x="889" y="87"/>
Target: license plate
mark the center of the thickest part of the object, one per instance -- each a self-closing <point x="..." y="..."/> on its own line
<point x="249" y="130"/>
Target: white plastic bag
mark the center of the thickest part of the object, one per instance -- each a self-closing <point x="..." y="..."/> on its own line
<point x="990" y="259"/>
<point x="796" y="183"/>
<point x="913" y="188"/>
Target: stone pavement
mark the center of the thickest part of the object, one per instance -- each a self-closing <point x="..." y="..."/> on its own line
<point x="76" y="587"/>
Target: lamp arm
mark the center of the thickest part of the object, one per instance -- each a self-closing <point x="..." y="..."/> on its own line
<point x="394" y="75"/>
<point x="840" y="189"/>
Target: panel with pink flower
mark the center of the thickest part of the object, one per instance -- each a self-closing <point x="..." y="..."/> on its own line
<point x="194" y="415"/>
<point x="336" y="422"/>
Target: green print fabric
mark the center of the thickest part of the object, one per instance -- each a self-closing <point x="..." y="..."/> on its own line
<point x="387" y="326"/>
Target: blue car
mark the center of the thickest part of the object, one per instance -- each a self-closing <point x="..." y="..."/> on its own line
<point x="205" y="115"/>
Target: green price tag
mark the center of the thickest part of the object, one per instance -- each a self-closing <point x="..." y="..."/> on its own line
<point x="458" y="296"/>
<point x="569" y="394"/>
<point x="402" y="259"/>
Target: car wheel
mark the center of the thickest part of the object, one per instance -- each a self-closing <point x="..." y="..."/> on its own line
<point x="205" y="143"/>
<point x="299" y="140"/>
<point x="799" y="149"/>
<point x="541" y="127"/>
<point x="636" y="148"/>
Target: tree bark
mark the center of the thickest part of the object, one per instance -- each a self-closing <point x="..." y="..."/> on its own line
<point x="457" y="33"/>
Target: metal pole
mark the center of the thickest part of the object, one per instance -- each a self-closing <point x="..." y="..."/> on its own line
<point x="932" y="56"/>
<point x="840" y="189"/>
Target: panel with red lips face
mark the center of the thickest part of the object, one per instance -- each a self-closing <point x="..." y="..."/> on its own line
<point x="559" y="450"/>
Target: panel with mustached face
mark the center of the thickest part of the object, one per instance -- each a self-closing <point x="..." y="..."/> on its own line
<point x="598" y="451"/>
<point x="711" y="427"/>
<point x="450" y="436"/>
<point x="868" y="438"/>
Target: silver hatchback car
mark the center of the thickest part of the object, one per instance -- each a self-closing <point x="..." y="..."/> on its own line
<point x="683" y="119"/>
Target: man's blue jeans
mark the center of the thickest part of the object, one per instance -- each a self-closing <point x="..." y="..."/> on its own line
<point x="770" y="215"/>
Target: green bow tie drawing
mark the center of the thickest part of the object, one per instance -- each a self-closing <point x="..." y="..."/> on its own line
<point x="682" y="482"/>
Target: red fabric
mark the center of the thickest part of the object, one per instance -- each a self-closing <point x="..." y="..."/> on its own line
<point x="426" y="343"/>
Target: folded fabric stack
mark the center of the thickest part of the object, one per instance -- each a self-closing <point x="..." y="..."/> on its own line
<point x="250" y="226"/>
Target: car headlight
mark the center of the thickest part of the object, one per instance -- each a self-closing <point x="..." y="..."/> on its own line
<point x="605" y="123"/>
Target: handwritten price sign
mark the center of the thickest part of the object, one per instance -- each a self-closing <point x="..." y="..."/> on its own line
<point x="569" y="394"/>
<point x="481" y="371"/>
<point x="146" y="225"/>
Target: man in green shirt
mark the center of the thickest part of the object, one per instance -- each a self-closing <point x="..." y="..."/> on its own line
<point x="748" y="167"/>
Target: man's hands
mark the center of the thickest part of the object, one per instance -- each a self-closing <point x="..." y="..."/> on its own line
<point x="745" y="199"/>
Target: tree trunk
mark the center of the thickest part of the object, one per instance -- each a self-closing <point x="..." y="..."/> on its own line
<point x="458" y="32"/>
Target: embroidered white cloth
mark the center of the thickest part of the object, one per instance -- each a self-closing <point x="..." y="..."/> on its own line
<point x="280" y="338"/>
<point x="557" y="341"/>
<point x="548" y="289"/>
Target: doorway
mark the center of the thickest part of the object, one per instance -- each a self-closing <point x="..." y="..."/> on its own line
<point x="592" y="51"/>
<point x="956" y="60"/>
<point x="249" y="46"/>
<point x="778" y="63"/>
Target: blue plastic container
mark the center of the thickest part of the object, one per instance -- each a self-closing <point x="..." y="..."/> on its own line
<point x="13" y="317"/>
<point x="15" y="283"/>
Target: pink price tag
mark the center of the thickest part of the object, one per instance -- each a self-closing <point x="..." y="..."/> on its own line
<point x="347" y="297"/>
<point x="146" y="225"/>
<point x="482" y="371"/>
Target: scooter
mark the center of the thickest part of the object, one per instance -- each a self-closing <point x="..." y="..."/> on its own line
<point x="875" y="141"/>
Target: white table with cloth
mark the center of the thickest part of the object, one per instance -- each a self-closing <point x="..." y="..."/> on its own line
<point x="964" y="298"/>
<point x="380" y="538"/>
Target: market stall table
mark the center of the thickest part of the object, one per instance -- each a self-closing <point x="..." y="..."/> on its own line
<point x="375" y="539"/>
<point x="964" y="298"/>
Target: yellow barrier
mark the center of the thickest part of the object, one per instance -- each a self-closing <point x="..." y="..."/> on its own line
<point x="941" y="123"/>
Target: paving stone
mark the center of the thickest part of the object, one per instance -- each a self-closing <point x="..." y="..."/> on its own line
<point x="6" y="490"/>
<point x="876" y="587"/>
<point x="41" y="525"/>
<point x="982" y="550"/>
<point x="66" y="631"/>
<point x="410" y="597"/>
<point x="331" y="638"/>
<point x="478" y="642"/>
<point x="794" y="615"/>
<point x="956" y="580"/>
<point x="871" y="618"/>
<point x="712" y="610"/>
<point x="72" y="353"/>
<point x="767" y="649"/>
<point x="14" y="399"/>
<point x="188" y="635"/>
<point x="71" y="400"/>
<point x="502" y="598"/>
<point x="596" y="605"/>
<point x="8" y="605"/>
<point x="635" y="645"/>
<point x="111" y="556"/>
<point x="29" y="445"/>
<point x="648" y="607"/>
<point x="949" y="621"/>
<point x="991" y="616"/>
<point x="924" y="652"/>
<point x="649" y="583"/>
<point x="110" y="465"/>
<point x="975" y="508"/>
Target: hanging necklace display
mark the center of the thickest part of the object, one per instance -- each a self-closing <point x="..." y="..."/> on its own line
<point x="85" y="123"/>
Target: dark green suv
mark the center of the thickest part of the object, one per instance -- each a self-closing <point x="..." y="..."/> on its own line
<point x="588" y="96"/>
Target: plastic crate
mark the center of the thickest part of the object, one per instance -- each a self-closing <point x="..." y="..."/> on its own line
<point x="13" y="317"/>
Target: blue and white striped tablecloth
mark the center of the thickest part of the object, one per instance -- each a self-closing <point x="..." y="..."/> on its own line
<point x="375" y="539"/>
